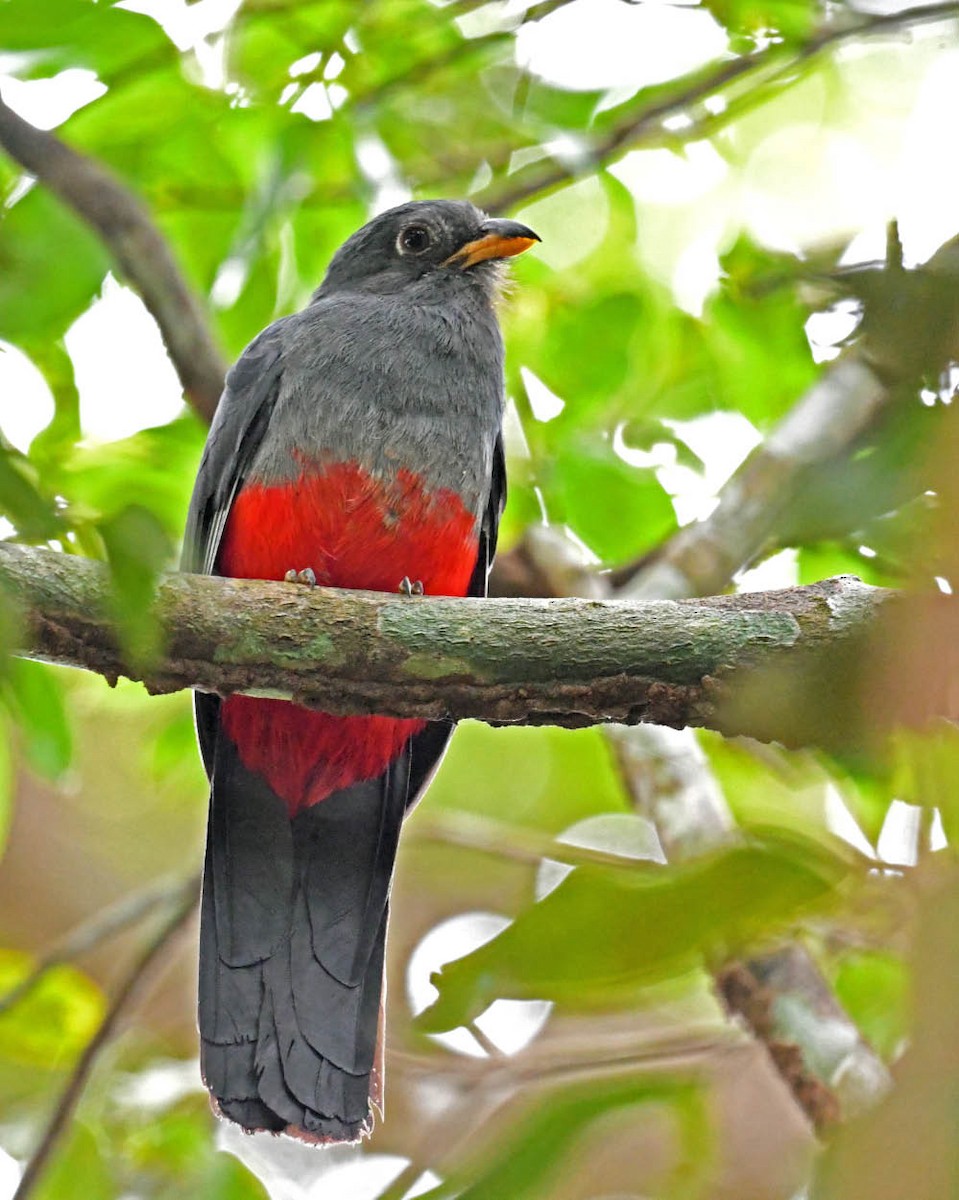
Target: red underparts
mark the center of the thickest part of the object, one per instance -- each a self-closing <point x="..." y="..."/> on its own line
<point x="355" y="531"/>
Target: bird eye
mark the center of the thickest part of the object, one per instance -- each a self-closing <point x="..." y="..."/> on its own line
<point x="414" y="239"/>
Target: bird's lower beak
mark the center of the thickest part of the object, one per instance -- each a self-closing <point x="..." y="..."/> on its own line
<point x="497" y="239"/>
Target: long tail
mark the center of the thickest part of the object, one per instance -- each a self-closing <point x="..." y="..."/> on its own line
<point x="292" y="937"/>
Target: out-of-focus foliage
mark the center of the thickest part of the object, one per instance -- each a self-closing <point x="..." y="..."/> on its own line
<point x="603" y="935"/>
<point x="696" y="212"/>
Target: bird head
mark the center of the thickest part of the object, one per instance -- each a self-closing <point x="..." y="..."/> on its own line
<point x="445" y="239"/>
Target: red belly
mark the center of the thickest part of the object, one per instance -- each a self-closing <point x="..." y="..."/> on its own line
<point x="355" y="531"/>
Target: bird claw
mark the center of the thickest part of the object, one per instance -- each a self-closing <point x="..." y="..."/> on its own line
<point x="411" y="588"/>
<point x="306" y="576"/>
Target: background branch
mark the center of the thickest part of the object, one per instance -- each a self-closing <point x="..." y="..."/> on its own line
<point x="142" y="254"/>
<point x="181" y="907"/>
<point x="822" y="425"/>
<point x="99" y="928"/>
<point x="638" y="125"/>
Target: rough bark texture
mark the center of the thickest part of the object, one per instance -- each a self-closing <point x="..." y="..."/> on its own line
<point x="563" y="662"/>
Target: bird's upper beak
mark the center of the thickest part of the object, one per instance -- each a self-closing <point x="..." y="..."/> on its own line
<point x="497" y="239"/>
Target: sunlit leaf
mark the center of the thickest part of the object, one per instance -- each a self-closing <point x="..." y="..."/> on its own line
<point x="52" y="1023"/>
<point x="873" y="989"/>
<point x="619" y="511"/>
<point x="604" y="934"/>
<point x="32" y="514"/>
<point x="34" y="695"/>
<point x="51" y="267"/>
<point x="104" y="38"/>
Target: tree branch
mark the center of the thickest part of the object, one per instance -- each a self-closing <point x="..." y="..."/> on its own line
<point x="640" y="125"/>
<point x="183" y="904"/>
<point x="140" y="250"/>
<point x="909" y="327"/>
<point x="781" y="996"/>
<point x="561" y="662"/>
<point x="100" y="927"/>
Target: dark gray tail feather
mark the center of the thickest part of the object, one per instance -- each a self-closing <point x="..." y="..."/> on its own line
<point x="292" y="938"/>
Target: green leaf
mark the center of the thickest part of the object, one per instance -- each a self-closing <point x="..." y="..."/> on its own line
<point x="7" y="780"/>
<point x="530" y="1162"/>
<point x="51" y="267"/>
<point x="227" y="1179"/>
<point x="138" y="549"/>
<point x="791" y="19"/>
<point x="173" y="1150"/>
<point x="34" y="694"/>
<point x="53" y="1022"/>
<point x="545" y="779"/>
<point x="54" y="443"/>
<point x="78" y="1170"/>
<point x="758" y="358"/>
<point x="873" y="987"/>
<point x="606" y="934"/>
<point x="32" y="514"/>
<point x="926" y="771"/>
<point x="103" y="37"/>
<point x="153" y="470"/>
<point x="618" y="510"/>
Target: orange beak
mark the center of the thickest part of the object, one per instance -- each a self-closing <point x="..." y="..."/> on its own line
<point x="497" y="239"/>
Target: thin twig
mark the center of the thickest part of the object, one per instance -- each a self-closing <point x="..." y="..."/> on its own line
<point x="638" y="125"/>
<point x="515" y="842"/>
<point x="140" y="250"/>
<point x="490" y="1084"/>
<point x="99" y="928"/>
<point x="920" y="332"/>
<point x="182" y="907"/>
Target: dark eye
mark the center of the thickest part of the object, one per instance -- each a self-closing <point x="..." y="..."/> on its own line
<point x="414" y="239"/>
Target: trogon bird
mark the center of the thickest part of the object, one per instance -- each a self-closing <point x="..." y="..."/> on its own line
<point x="357" y="443"/>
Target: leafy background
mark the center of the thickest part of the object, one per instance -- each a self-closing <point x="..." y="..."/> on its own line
<point x="705" y="180"/>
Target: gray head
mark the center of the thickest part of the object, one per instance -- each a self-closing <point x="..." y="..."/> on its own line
<point x="422" y="244"/>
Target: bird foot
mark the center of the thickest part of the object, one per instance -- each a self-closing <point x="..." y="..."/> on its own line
<point x="411" y="588"/>
<point x="306" y="576"/>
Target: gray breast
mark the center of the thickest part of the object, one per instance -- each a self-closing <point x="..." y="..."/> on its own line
<point x="390" y="383"/>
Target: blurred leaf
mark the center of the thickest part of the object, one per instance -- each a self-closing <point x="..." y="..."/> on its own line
<point x="873" y="988"/>
<point x="33" y="515"/>
<point x="51" y="267"/>
<point x="138" y="549"/>
<point x="227" y="1179"/>
<point x="78" y="1170"/>
<point x="759" y="361"/>
<point x="7" y="777"/>
<point x="792" y="19"/>
<point x="51" y="1024"/>
<point x="907" y="1145"/>
<point x="604" y="934"/>
<point x="546" y="779"/>
<point x="618" y="510"/>
<point x="153" y="471"/>
<point x="530" y="1160"/>
<point x="823" y="560"/>
<point x="174" y="1150"/>
<point x="174" y="744"/>
<point x="765" y="786"/>
<point x="34" y="694"/>
<point x="926" y="771"/>
<point x="104" y="38"/>
<point x="52" y="444"/>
